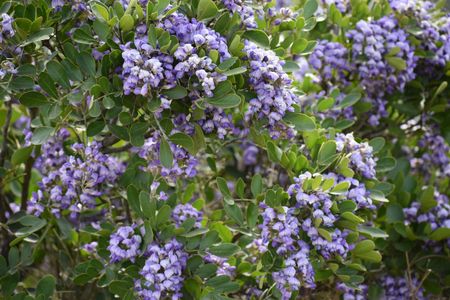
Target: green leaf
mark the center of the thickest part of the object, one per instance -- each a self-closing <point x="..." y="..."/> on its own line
<point x="363" y="247"/>
<point x="86" y="63"/>
<point x="133" y="199"/>
<point x="371" y="256"/>
<point x="327" y="153"/>
<point x="372" y="231"/>
<point x="300" y="121"/>
<point x="235" y="71"/>
<point x="252" y="215"/>
<point x="299" y="45"/>
<point x="224" y="250"/>
<point x="310" y="8"/>
<point x="256" y="185"/>
<point x="349" y="216"/>
<point x="385" y="164"/>
<point x="33" y="99"/>
<point x="206" y="9"/>
<point x="223" y="187"/>
<point x="227" y="101"/>
<point x="46" y="287"/>
<point x="163" y="214"/>
<point x="396" y="62"/>
<point x="165" y="153"/>
<point x="226" y="64"/>
<point x="350" y="99"/>
<point x="440" y="234"/>
<point x="427" y="200"/>
<point x="21" y="155"/>
<point x="47" y="84"/>
<point x="235" y="213"/>
<point x="377" y="144"/>
<point x="177" y="92"/>
<point x="257" y="36"/>
<point x="394" y="213"/>
<point x="126" y="22"/>
<point x="21" y="83"/>
<point x="95" y="128"/>
<point x="340" y="188"/>
<point x="57" y="73"/>
<point x="41" y="135"/>
<point x="43" y="34"/>
<point x="183" y="140"/>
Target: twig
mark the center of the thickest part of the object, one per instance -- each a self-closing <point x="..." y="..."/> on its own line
<point x="5" y="134"/>
<point x="26" y="183"/>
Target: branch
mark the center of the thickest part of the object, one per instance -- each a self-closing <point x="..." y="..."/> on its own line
<point x="26" y="183"/>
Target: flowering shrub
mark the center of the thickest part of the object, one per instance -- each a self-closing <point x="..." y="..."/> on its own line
<point x="229" y="149"/>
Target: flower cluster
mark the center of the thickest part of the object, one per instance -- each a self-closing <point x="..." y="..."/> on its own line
<point x="274" y="95"/>
<point x="76" y="5"/>
<point x="360" y="293"/>
<point x="360" y="154"/>
<point x="76" y="182"/>
<point x="6" y="29"/>
<point x="399" y="288"/>
<point x="330" y="60"/>
<point x="437" y="216"/>
<point x="297" y="272"/>
<point x="246" y="13"/>
<point x="182" y="212"/>
<point x="162" y="274"/>
<point x="377" y="46"/>
<point x="124" y="244"/>
<point x="433" y="154"/>
<point x="52" y="155"/>
<point x="434" y="34"/>
<point x="184" y="164"/>
<point x="223" y="267"/>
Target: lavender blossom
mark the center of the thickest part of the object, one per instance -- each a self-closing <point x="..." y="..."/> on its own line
<point x="6" y="29"/>
<point x="360" y="154"/>
<point x="124" y="244"/>
<point x="348" y="293"/>
<point x="398" y="288"/>
<point x="223" y="267"/>
<point x="162" y="275"/>
<point x="182" y="212"/>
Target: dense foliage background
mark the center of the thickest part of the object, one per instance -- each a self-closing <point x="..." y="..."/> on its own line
<point x="217" y="149"/>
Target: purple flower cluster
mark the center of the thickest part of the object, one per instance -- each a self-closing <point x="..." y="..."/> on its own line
<point x="52" y="155"/>
<point x="398" y="288"/>
<point x="184" y="164"/>
<point x="182" y="212"/>
<point x="433" y="156"/>
<point x="318" y="204"/>
<point x="124" y="244"/>
<point x="297" y="272"/>
<point x="360" y="154"/>
<point x="375" y="47"/>
<point x="360" y="293"/>
<point x="6" y="29"/>
<point x="223" y="267"/>
<point x="274" y="95"/>
<point x="330" y="60"/>
<point x="76" y="5"/>
<point x="279" y="229"/>
<point x="240" y="8"/>
<point x="283" y="14"/>
<point x="7" y="67"/>
<point x="342" y="5"/>
<point x="434" y="34"/>
<point x="162" y="274"/>
<point x="77" y="182"/>
<point x="437" y="217"/>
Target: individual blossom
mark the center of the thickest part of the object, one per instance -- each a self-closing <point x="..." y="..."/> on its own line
<point x="162" y="274"/>
<point x="183" y="212"/>
<point x="7" y="67"/>
<point x="296" y="273"/>
<point x="184" y="164"/>
<point x="124" y="244"/>
<point x="342" y="5"/>
<point x="223" y="267"/>
<point x="76" y="5"/>
<point x="399" y="288"/>
<point x="274" y="94"/>
<point x="360" y="154"/>
<point x="6" y="29"/>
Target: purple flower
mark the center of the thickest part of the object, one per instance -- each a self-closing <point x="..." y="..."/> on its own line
<point x="124" y="244"/>
<point x="223" y="267"/>
<point x="162" y="275"/>
<point x="6" y="29"/>
<point x="360" y="154"/>
<point x="398" y="288"/>
<point x="182" y="212"/>
<point x="348" y="293"/>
